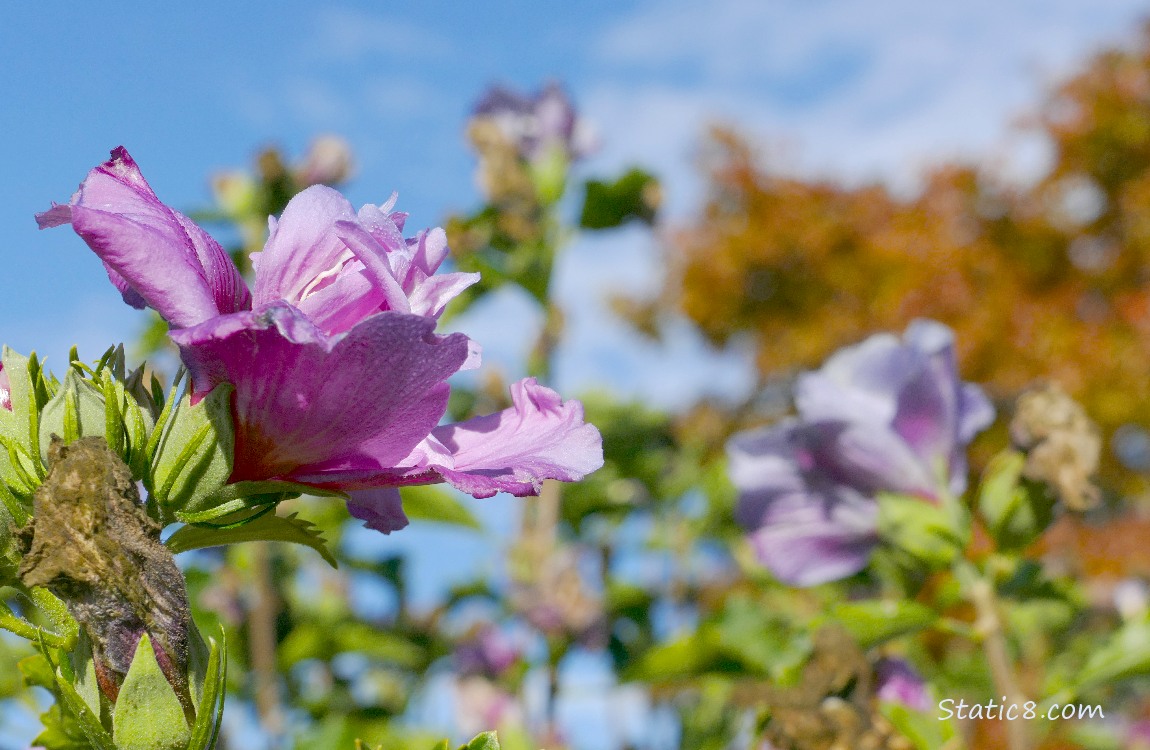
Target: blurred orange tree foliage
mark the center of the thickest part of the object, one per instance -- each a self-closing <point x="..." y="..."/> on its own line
<point x="1049" y="279"/>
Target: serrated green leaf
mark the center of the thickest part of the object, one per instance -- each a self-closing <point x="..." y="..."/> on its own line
<point x="37" y="671"/>
<point x="148" y="715"/>
<point x="193" y="457"/>
<point x="427" y="503"/>
<point x="61" y="730"/>
<point x="268" y="528"/>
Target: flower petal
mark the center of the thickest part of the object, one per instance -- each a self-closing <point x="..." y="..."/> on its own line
<point x="381" y="509"/>
<point x="303" y="250"/>
<point x="312" y="408"/>
<point x="538" y="438"/>
<point x="810" y="538"/>
<point x="154" y="254"/>
<point x="859" y="383"/>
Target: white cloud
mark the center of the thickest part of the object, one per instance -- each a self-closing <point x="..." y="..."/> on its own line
<point x="866" y="90"/>
<point x="347" y="35"/>
<point x="854" y="89"/>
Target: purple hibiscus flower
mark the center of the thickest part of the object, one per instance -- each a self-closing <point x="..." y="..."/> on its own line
<point x="339" y="376"/>
<point x="884" y="415"/>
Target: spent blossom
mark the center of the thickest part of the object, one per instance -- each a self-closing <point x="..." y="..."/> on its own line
<point x="339" y="376"/>
<point x="882" y="416"/>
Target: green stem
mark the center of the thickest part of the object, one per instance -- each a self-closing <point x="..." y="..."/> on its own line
<point x="989" y="626"/>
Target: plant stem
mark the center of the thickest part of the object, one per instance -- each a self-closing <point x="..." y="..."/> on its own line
<point x="262" y="640"/>
<point x="989" y="626"/>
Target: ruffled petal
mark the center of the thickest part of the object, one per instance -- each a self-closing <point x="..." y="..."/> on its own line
<point x="303" y="253"/>
<point x="381" y="509"/>
<point x="154" y="254"/>
<point x="538" y="438"/>
<point x="309" y="407"/>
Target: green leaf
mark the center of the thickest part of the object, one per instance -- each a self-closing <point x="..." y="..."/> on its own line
<point x="1016" y="511"/>
<point x="1126" y="654"/>
<point x="37" y="671"/>
<point x="206" y="730"/>
<point x="932" y="534"/>
<point x="148" y="715"/>
<point x="926" y="732"/>
<point x="635" y="195"/>
<point x="268" y="528"/>
<point x="875" y="622"/>
<point x="193" y="457"/>
<point x="427" y="503"/>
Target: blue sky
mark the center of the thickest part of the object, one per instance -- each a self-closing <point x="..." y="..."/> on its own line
<point x="853" y="88"/>
<point x="859" y="89"/>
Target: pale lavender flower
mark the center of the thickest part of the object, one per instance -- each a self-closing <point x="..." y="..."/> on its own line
<point x="489" y="653"/>
<point x="884" y="415"/>
<point x="538" y="123"/>
<point x="339" y="375"/>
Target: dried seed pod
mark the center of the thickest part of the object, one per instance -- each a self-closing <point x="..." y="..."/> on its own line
<point x="91" y="544"/>
<point x="1061" y="443"/>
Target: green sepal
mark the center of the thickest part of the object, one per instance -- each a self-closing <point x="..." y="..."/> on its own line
<point x="66" y="629"/>
<point x="76" y="411"/>
<point x="1016" y="511"/>
<point x="934" y="534"/>
<point x="266" y="528"/>
<point x="485" y="741"/>
<point x="84" y="677"/>
<point x="28" y="396"/>
<point x="210" y="710"/>
<point x="192" y="459"/>
<point x="427" y="503"/>
<point x="148" y="715"/>
<point x="88" y="721"/>
<point x="19" y="427"/>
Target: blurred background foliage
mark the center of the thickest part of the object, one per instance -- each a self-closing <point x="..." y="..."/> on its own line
<point x="631" y="612"/>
